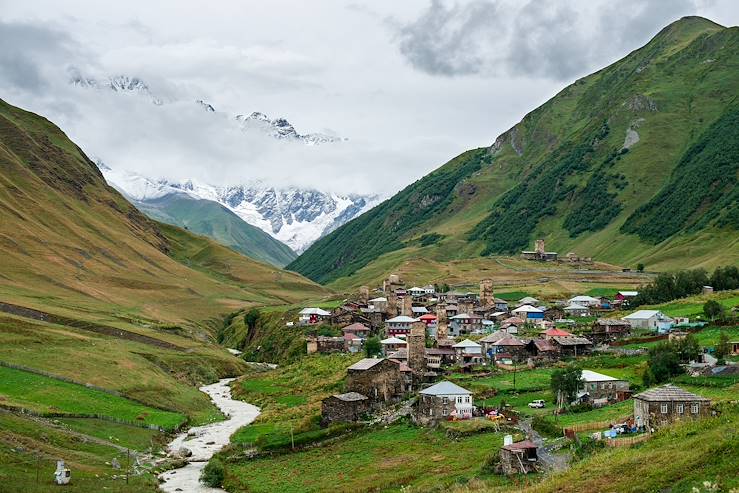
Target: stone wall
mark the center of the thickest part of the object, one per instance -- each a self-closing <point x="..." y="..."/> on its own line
<point x="381" y="383"/>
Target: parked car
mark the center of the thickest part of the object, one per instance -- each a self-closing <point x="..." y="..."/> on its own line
<point x="538" y="404"/>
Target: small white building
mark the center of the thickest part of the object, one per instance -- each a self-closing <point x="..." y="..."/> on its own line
<point x="447" y="399"/>
<point x="584" y="301"/>
<point x="416" y="292"/>
<point x="576" y="310"/>
<point x="649" y="319"/>
<point x="309" y="316"/>
<point x="528" y="313"/>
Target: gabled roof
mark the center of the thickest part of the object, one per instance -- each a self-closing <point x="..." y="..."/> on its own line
<point x="314" y="311"/>
<point x="376" y="300"/>
<point x="497" y="314"/>
<point x="466" y="343"/>
<point x="428" y="316"/>
<point x="500" y="300"/>
<point x="522" y="445"/>
<point x="527" y="309"/>
<point x="669" y="392"/>
<point x="401" y="353"/>
<point x="431" y="351"/>
<point x="365" y="364"/>
<point x="556" y="333"/>
<point x="544" y="345"/>
<point x="610" y="321"/>
<point x="356" y="327"/>
<point x="571" y="341"/>
<point x="627" y="294"/>
<point x="592" y="376"/>
<point x="419" y="309"/>
<point x="351" y="397"/>
<point x="646" y="314"/>
<point x="402" y="319"/>
<point x="528" y="300"/>
<point x="584" y="299"/>
<point x="509" y="340"/>
<point x="495" y="336"/>
<point x="464" y="315"/>
<point x="393" y="340"/>
<point x="445" y="388"/>
<point x="513" y="321"/>
<point x="574" y="307"/>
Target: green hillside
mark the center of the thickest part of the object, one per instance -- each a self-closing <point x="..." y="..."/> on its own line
<point x="592" y="170"/>
<point x="212" y="219"/>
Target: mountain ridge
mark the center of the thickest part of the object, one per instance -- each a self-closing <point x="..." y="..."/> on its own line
<point x="571" y="171"/>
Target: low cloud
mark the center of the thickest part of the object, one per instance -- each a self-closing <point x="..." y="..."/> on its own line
<point x="555" y="40"/>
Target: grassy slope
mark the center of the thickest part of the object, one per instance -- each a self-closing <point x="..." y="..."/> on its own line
<point x="669" y="73"/>
<point x="73" y="247"/>
<point x="209" y="218"/>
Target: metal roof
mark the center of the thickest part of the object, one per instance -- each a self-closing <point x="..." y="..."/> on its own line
<point x="401" y="319"/>
<point x="351" y="397"/>
<point x="365" y="364"/>
<point x="445" y="388"/>
<point x="467" y="343"/>
<point x="592" y="376"/>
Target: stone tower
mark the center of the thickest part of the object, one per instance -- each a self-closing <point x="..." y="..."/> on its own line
<point x="407" y="305"/>
<point x="487" y="296"/>
<point x="392" y="305"/>
<point x="417" y="348"/>
<point x="364" y="294"/>
<point x="441" y="322"/>
<point x="540" y="247"/>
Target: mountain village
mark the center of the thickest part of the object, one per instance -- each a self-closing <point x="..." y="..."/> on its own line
<point x="429" y="338"/>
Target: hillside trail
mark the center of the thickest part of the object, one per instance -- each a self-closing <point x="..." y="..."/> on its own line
<point x="204" y="441"/>
<point x="553" y="462"/>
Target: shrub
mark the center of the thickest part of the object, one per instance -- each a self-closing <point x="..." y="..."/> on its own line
<point x="546" y="427"/>
<point x="213" y="473"/>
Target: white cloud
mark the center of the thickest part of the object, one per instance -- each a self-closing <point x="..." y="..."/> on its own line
<point x="411" y="84"/>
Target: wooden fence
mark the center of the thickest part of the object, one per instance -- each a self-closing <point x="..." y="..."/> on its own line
<point x="596" y="425"/>
<point x="627" y="441"/>
<point x="103" y="417"/>
<point x="87" y="385"/>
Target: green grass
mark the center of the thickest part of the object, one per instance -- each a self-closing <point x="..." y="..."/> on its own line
<point x="43" y="394"/>
<point x="385" y="459"/>
<point x="131" y="437"/>
<point x="27" y="446"/>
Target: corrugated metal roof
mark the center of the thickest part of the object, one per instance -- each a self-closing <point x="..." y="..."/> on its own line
<point x="365" y="364"/>
<point x="445" y="388"/>
<point x="351" y="397"/>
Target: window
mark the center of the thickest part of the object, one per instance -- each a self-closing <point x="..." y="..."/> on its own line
<point x="459" y="399"/>
<point x="445" y="412"/>
<point x="663" y="408"/>
<point x="467" y="399"/>
<point x="431" y="411"/>
<point x="593" y="386"/>
<point x="610" y="385"/>
<point x="680" y="408"/>
<point x="444" y="400"/>
<point x="694" y="408"/>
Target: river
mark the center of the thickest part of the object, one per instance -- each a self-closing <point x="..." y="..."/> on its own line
<point x="204" y="441"/>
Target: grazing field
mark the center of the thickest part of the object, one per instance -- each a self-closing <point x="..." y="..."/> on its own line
<point x="395" y="458"/>
<point x="48" y="395"/>
<point x="290" y="399"/>
<point x="132" y="437"/>
<point x="679" y="458"/>
<point x="29" y="451"/>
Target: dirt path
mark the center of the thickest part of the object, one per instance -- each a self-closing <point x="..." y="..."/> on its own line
<point x="204" y="441"/>
<point x="553" y="462"/>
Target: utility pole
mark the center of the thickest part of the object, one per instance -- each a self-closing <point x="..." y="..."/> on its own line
<point x="128" y="463"/>
<point x="514" y="375"/>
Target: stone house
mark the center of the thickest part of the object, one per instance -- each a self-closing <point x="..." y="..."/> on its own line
<point x="439" y="356"/>
<point x="325" y="344"/>
<point x="662" y="405"/>
<point x="600" y="389"/>
<point x="605" y="330"/>
<point x="519" y="458"/>
<point x="468" y="352"/>
<point x="378" y="379"/>
<point x="392" y="344"/>
<point x="576" y="310"/>
<point x="572" y="346"/>
<point x="487" y="342"/>
<point x="312" y="316"/>
<point x="464" y="324"/>
<point x="358" y="329"/>
<point x="512" y="346"/>
<point x="343" y="408"/>
<point x="442" y="401"/>
<point x="648" y="319"/>
<point x="542" y="349"/>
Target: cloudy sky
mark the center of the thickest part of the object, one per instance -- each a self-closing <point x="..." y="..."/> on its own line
<point x="410" y="84"/>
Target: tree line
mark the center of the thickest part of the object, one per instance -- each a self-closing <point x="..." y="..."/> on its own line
<point x="670" y="286"/>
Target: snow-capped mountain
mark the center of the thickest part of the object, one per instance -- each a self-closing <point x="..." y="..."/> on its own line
<point x="296" y="217"/>
<point x="280" y="128"/>
<point x="119" y="83"/>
